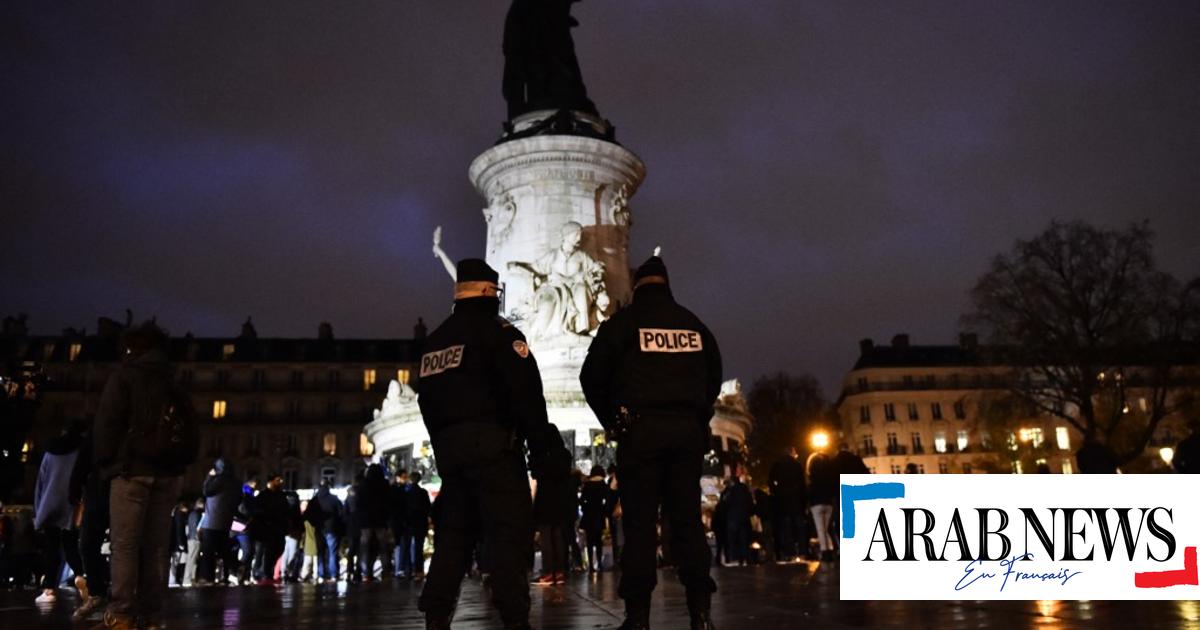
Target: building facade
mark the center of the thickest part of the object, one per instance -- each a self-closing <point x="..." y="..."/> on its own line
<point x="936" y="409"/>
<point x="295" y="407"/>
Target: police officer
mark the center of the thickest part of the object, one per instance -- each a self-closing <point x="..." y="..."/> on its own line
<point x="481" y="397"/>
<point x="651" y="376"/>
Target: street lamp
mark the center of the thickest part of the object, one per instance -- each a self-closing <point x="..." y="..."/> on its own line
<point x="819" y="440"/>
<point x="1167" y="454"/>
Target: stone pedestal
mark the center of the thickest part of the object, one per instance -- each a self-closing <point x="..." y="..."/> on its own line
<point x="558" y="225"/>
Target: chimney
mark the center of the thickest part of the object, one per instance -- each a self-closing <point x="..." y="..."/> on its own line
<point x="419" y="331"/>
<point x="865" y="346"/>
<point x="900" y="341"/>
<point x="968" y="341"/>
<point x="325" y="331"/>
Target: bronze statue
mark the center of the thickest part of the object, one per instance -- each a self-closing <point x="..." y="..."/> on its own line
<point x="540" y="67"/>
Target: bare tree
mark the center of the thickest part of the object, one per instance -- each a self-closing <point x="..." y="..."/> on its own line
<point x="785" y="408"/>
<point x="1090" y="324"/>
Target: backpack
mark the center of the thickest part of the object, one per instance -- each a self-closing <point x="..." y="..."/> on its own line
<point x="166" y="432"/>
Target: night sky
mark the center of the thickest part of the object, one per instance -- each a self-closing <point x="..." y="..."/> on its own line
<point x="817" y="172"/>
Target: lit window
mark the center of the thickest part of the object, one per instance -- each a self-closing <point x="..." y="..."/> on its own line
<point x="329" y="444"/>
<point x="1142" y="404"/>
<point x="1067" y="468"/>
<point x="1063" y="437"/>
<point x="77" y="347"/>
<point x="368" y="379"/>
<point x="402" y="376"/>
<point x="26" y="448"/>
<point x="962" y="440"/>
<point x="939" y="441"/>
<point x="47" y="351"/>
<point x="1041" y="462"/>
<point x="1017" y="468"/>
<point x="365" y="447"/>
<point x="1032" y="435"/>
<point x="227" y="351"/>
<point x="218" y="409"/>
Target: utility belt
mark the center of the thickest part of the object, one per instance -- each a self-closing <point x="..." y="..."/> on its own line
<point x="626" y="418"/>
<point x="465" y="444"/>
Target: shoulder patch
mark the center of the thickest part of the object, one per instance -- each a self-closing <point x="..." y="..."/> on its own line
<point x="521" y="348"/>
<point x="439" y="361"/>
<point x="669" y="340"/>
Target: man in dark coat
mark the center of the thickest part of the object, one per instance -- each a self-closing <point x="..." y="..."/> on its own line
<point x="822" y="496"/>
<point x="416" y="527"/>
<point x="135" y="407"/>
<point x="592" y="508"/>
<point x="325" y="513"/>
<point x="554" y="514"/>
<point x="272" y="517"/>
<point x="481" y="398"/>
<point x="739" y="506"/>
<point x="651" y="376"/>
<point x="788" y="501"/>
<point x="372" y="505"/>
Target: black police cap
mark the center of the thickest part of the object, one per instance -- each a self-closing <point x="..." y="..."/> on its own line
<point x="654" y="266"/>
<point x="475" y="270"/>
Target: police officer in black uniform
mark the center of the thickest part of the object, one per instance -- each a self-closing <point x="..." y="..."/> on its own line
<point x="481" y="398"/>
<point x="651" y="376"/>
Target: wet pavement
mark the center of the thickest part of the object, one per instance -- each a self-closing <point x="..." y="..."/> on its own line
<point x="749" y="598"/>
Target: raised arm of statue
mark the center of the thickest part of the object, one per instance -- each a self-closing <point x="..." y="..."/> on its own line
<point x="437" y="251"/>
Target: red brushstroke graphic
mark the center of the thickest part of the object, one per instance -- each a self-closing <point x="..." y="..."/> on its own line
<point x="1188" y="575"/>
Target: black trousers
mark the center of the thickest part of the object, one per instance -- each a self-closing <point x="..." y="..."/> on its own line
<point x="59" y="544"/>
<point x="91" y="537"/>
<point x="485" y="505"/>
<point x="659" y="464"/>
<point x="215" y="545"/>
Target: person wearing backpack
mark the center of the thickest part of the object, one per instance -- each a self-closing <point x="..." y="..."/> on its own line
<point x="145" y="437"/>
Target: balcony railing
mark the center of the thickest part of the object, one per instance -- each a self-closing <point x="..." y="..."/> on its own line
<point x="868" y="451"/>
<point x="897" y="449"/>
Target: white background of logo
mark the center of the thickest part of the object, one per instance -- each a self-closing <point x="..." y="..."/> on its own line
<point x="1100" y="578"/>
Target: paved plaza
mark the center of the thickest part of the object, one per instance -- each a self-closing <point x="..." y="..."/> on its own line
<point x="750" y="598"/>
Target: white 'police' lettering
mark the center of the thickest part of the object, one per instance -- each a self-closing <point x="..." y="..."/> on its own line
<point x="664" y="340"/>
<point x="442" y="360"/>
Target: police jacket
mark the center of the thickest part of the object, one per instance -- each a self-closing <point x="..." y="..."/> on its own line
<point x="477" y="374"/>
<point x="652" y="356"/>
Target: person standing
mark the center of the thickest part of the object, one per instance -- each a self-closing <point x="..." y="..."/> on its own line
<point x="592" y="499"/>
<point x="222" y="495"/>
<point x="481" y="397"/>
<point x="612" y="507"/>
<point x="270" y="518"/>
<point x="192" y="557"/>
<point x="739" y="505"/>
<point x="178" y="544"/>
<point x="652" y="375"/>
<point x="822" y="494"/>
<point x="371" y="514"/>
<point x="554" y="515"/>
<point x="397" y="510"/>
<point x="54" y="512"/>
<point x="416" y="527"/>
<point x="788" y="503"/>
<point x="145" y="438"/>
<point x="325" y="513"/>
<point x="94" y="489"/>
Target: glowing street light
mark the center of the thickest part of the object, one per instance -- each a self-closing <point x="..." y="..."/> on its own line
<point x="819" y="440"/>
<point x="1167" y="454"/>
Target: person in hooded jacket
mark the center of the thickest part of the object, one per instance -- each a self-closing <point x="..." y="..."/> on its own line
<point x="222" y="495"/>
<point x="54" y="512"/>
<point x="133" y="412"/>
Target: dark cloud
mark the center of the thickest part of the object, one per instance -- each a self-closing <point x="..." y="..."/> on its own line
<point x="818" y="172"/>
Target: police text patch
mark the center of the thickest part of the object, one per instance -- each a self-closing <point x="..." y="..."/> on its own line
<point x="664" y="340"/>
<point x="442" y="360"/>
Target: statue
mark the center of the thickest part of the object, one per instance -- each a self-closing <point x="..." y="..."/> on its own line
<point x="569" y="296"/>
<point x="399" y="396"/>
<point x="441" y="254"/>
<point x="540" y="67"/>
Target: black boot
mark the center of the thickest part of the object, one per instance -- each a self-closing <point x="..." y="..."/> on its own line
<point x="700" y="610"/>
<point x="437" y="622"/>
<point x="637" y="616"/>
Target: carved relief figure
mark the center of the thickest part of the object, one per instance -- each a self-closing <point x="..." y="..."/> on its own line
<point x="619" y="209"/>
<point x="499" y="217"/>
<point x="569" y="296"/>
